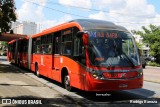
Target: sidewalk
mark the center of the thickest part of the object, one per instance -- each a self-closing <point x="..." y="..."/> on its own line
<point x="20" y="84"/>
<point x="16" y="84"/>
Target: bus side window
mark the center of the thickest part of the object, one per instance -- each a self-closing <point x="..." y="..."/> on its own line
<point x="37" y="45"/>
<point x="46" y="44"/>
<point x="50" y="48"/>
<point x="34" y="46"/>
<point x="66" y="48"/>
<point x="57" y="43"/>
<point x="76" y="47"/>
<point x="67" y="42"/>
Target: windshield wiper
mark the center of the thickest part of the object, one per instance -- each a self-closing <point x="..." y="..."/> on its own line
<point x="128" y="59"/>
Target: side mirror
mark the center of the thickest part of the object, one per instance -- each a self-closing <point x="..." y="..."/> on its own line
<point x="80" y="42"/>
<point x="84" y="36"/>
<point x="82" y="52"/>
<point x="85" y="39"/>
<point x="80" y="34"/>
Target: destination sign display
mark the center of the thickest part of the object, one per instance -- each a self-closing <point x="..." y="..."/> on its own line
<point x="103" y="34"/>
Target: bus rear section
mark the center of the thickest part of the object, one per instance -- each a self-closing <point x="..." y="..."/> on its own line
<point x="12" y="51"/>
<point x="18" y="52"/>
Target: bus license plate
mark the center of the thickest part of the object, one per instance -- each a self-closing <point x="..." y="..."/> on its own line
<point x="123" y="85"/>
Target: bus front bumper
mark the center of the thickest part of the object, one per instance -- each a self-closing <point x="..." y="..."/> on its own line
<point x="113" y="85"/>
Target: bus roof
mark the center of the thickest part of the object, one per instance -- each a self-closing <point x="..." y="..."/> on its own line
<point x="88" y="24"/>
<point x="83" y="25"/>
<point x="14" y="40"/>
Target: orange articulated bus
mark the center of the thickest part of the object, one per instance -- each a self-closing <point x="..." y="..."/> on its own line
<point x="90" y="55"/>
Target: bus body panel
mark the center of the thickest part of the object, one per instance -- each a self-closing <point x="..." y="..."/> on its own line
<point x="23" y="58"/>
<point x="46" y="65"/>
<point x="112" y="85"/>
<point x="52" y="65"/>
<point x="76" y="72"/>
<point x="56" y="68"/>
<point x="36" y="59"/>
<point x="12" y="52"/>
<point x="58" y="28"/>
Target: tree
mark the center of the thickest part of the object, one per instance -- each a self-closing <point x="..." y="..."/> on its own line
<point x="3" y="44"/>
<point x="7" y="15"/>
<point x="151" y="35"/>
<point x="139" y="45"/>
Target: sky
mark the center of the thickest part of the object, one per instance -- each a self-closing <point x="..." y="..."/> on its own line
<point x="132" y="14"/>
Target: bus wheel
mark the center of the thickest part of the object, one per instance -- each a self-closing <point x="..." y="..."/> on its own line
<point x="19" y="65"/>
<point x="67" y="82"/>
<point x="37" y="71"/>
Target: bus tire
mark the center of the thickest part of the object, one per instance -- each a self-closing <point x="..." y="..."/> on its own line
<point x="19" y="65"/>
<point x="37" y="70"/>
<point x="144" y="66"/>
<point x="66" y="82"/>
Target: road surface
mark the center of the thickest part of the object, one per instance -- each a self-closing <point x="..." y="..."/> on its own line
<point x="152" y="74"/>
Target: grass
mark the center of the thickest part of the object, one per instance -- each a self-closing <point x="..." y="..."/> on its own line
<point x="153" y="64"/>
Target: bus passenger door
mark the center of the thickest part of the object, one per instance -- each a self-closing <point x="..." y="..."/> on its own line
<point x="56" y="56"/>
<point x="56" y="63"/>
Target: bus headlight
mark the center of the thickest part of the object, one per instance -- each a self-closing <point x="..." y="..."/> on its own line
<point x="97" y="75"/>
<point x="140" y="72"/>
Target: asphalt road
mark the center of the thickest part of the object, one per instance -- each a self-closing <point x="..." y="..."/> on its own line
<point x="22" y="84"/>
<point x="152" y="74"/>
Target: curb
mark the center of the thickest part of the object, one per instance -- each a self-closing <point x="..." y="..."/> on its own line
<point x="153" y="81"/>
<point x="66" y="94"/>
<point x="152" y="67"/>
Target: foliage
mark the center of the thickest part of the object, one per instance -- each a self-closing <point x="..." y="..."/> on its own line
<point x="3" y="43"/>
<point x="151" y="35"/>
<point x="139" y="45"/>
<point x="7" y="15"/>
<point x="153" y="64"/>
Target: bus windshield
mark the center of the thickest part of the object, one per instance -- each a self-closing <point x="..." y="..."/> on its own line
<point x="111" y="48"/>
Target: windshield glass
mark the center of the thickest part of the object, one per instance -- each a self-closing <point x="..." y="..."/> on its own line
<point x="112" y="48"/>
